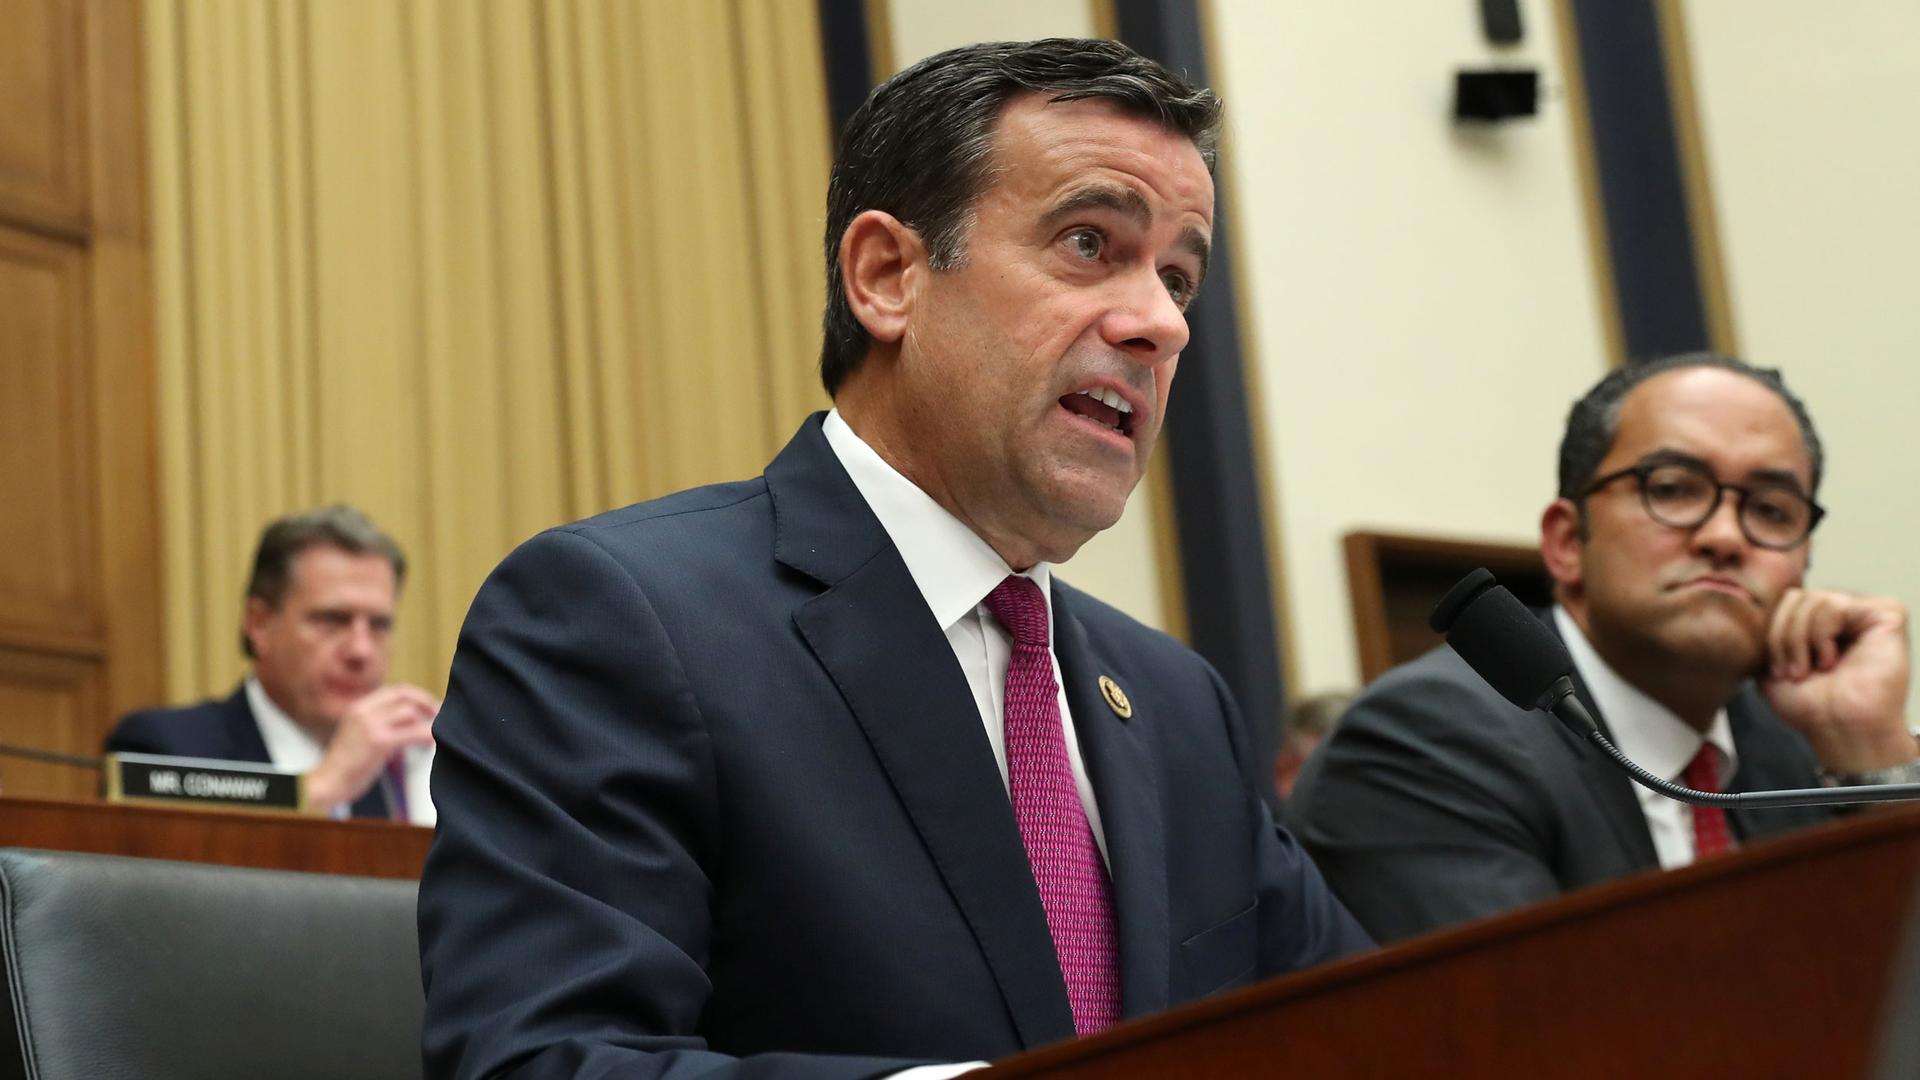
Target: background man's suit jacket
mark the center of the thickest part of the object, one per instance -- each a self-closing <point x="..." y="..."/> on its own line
<point x="1436" y="801"/>
<point x="222" y="728"/>
<point x="712" y="783"/>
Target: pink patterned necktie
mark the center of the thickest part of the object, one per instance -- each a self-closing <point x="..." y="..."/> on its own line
<point x="1074" y="888"/>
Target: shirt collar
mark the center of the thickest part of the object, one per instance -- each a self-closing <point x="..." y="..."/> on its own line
<point x="1643" y="729"/>
<point x="953" y="568"/>
<point x="290" y="746"/>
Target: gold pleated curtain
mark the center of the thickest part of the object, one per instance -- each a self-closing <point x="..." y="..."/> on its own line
<point x="478" y="268"/>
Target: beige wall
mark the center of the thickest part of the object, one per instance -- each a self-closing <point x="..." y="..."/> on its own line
<point x="1123" y="565"/>
<point x="1814" y="162"/>
<point x="920" y="28"/>
<point x="1420" y="301"/>
<point x="1419" y="298"/>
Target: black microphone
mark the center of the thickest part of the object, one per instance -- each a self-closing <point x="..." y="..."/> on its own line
<point x="190" y="782"/>
<point x="1528" y="665"/>
<point x="51" y="757"/>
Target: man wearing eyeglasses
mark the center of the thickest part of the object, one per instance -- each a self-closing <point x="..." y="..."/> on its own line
<point x="1678" y="546"/>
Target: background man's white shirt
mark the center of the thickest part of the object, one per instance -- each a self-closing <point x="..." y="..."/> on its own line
<point x="1649" y="733"/>
<point x="293" y="749"/>
<point x="955" y="570"/>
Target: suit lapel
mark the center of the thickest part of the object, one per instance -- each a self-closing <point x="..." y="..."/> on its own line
<point x="1606" y="785"/>
<point x="873" y="634"/>
<point x="1612" y="791"/>
<point x="1124" y="787"/>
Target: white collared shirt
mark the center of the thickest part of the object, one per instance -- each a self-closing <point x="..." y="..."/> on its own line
<point x="1649" y="733"/>
<point x="293" y="749"/>
<point x="955" y="570"/>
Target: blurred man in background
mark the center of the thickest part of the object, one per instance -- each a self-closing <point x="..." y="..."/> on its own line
<point x="1306" y="725"/>
<point x="1678" y="547"/>
<point x="318" y="629"/>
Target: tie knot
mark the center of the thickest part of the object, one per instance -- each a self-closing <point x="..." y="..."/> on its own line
<point x="1017" y="603"/>
<point x="1703" y="772"/>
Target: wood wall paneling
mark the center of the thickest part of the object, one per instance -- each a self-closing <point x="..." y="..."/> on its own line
<point x="124" y="484"/>
<point x="42" y="156"/>
<point x="44" y="430"/>
<point x="49" y="702"/>
<point x="1396" y="580"/>
<point x="79" y="555"/>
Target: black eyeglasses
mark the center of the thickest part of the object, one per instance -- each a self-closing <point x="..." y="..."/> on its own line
<point x="1683" y="496"/>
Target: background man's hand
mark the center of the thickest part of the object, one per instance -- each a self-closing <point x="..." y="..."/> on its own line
<point x="373" y="730"/>
<point x="1837" y="673"/>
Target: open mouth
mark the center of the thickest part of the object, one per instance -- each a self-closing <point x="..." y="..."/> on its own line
<point x="1101" y="406"/>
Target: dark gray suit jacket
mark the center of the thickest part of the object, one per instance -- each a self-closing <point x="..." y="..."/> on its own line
<point x="1436" y="801"/>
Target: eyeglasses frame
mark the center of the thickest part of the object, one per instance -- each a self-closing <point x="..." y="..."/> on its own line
<point x="1645" y="469"/>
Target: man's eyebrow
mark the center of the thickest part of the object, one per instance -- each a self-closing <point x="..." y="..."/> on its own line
<point x="1200" y="247"/>
<point x="1115" y="197"/>
<point x="1776" y="478"/>
<point x="1124" y="200"/>
<point x="1773" y="477"/>
<point x="1669" y="456"/>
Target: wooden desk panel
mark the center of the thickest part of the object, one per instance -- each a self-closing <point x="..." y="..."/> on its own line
<point x="1778" y="960"/>
<point x="371" y="848"/>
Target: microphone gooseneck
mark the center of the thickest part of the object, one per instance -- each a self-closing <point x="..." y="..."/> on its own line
<point x="50" y="757"/>
<point x="1529" y="666"/>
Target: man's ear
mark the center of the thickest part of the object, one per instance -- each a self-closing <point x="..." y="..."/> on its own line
<point x="255" y="618"/>
<point x="879" y="259"/>
<point x="1562" y="542"/>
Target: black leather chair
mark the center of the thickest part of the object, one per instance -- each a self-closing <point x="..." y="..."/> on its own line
<point x="122" y="967"/>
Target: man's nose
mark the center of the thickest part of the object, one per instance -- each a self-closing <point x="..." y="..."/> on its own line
<point x="1146" y="323"/>
<point x="1720" y="537"/>
<point x="362" y="643"/>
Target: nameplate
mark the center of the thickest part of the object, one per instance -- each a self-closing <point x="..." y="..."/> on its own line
<point x="202" y="782"/>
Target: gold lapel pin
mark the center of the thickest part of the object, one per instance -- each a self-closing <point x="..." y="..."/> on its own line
<point x="1116" y="698"/>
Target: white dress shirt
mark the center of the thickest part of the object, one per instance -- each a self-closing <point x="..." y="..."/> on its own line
<point x="1649" y="733"/>
<point x="955" y="570"/>
<point x="293" y="749"/>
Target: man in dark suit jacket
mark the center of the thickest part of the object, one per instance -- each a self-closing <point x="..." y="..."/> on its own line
<point x="1440" y="802"/>
<point x="319" y="612"/>
<point x="1678" y="546"/>
<point x="219" y="728"/>
<point x="721" y="776"/>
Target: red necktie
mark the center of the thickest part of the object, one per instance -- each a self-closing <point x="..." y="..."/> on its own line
<point x="1074" y="888"/>
<point x="1710" y="834"/>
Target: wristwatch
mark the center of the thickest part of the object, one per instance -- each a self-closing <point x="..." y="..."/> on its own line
<point x="1908" y="773"/>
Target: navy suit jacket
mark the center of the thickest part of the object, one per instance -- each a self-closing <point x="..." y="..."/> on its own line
<point x="1435" y="800"/>
<point x="712" y="785"/>
<point x="222" y="728"/>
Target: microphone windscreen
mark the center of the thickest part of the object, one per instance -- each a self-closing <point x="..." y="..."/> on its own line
<point x="1458" y="597"/>
<point x="1505" y="644"/>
